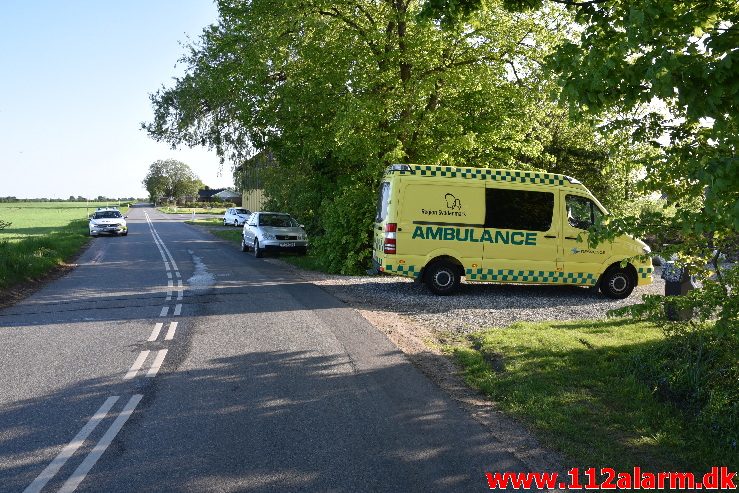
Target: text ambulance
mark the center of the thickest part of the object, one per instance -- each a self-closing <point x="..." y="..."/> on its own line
<point x="439" y="223"/>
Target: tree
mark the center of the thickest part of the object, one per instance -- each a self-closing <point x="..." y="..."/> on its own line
<point x="170" y="179"/>
<point x="335" y="92"/>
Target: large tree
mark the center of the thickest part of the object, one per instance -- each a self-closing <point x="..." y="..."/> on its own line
<point x="170" y="179"/>
<point x="336" y="91"/>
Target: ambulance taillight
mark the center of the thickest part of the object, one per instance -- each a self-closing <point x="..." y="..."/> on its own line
<point x="390" y="236"/>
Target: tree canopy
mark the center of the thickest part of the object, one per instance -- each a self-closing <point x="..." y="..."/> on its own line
<point x="170" y="179"/>
<point x="337" y="91"/>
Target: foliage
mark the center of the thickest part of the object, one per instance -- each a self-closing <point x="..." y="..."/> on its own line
<point x="31" y="257"/>
<point x="588" y="388"/>
<point x="171" y="179"/>
<point x="695" y="368"/>
<point x="331" y="93"/>
<point x="4" y="224"/>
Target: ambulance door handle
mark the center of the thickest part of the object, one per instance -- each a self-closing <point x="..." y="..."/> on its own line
<point x="550" y="236"/>
<point x="570" y="237"/>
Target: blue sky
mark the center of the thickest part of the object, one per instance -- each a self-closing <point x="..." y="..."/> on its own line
<point x="75" y="84"/>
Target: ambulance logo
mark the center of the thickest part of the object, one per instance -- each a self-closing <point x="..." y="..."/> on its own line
<point x="453" y="202"/>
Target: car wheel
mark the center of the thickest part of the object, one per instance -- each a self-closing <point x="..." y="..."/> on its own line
<point x="125" y="234"/>
<point x="244" y="247"/>
<point x="442" y="278"/>
<point x="258" y="252"/>
<point x="224" y="222"/>
<point x="617" y="283"/>
<point x="236" y="223"/>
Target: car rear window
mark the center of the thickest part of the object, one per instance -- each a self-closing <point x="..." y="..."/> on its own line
<point x="277" y="221"/>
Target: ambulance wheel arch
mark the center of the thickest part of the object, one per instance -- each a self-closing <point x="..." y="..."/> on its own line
<point x="618" y="282"/>
<point x="442" y="275"/>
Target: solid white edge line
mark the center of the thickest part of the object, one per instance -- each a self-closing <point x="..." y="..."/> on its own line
<point x="79" y="474"/>
<point x="136" y="366"/>
<point x="170" y="332"/>
<point x="155" y="333"/>
<point x="157" y="364"/>
<point x="69" y="450"/>
<point x="177" y="309"/>
<point x="164" y="312"/>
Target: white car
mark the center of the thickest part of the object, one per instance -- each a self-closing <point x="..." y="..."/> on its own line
<point x="273" y="232"/>
<point x="108" y="220"/>
<point x="235" y="216"/>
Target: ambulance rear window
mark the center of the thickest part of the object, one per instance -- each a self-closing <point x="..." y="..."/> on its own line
<point x="383" y="199"/>
<point x="518" y="209"/>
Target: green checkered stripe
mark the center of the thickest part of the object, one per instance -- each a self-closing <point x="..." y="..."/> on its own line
<point x="645" y="272"/>
<point x="540" y="276"/>
<point x="403" y="270"/>
<point x="501" y="175"/>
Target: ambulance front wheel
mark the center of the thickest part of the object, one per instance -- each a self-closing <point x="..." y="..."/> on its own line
<point x="617" y="283"/>
<point x="442" y="278"/>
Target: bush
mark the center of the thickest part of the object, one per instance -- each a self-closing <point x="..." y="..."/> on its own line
<point x="345" y="246"/>
<point x="696" y="369"/>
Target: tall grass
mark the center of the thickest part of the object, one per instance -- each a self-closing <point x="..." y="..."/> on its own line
<point x="32" y="257"/>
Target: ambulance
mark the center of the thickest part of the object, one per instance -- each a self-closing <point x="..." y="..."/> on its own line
<point x="437" y="224"/>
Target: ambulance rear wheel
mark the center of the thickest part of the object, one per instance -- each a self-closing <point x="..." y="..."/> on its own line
<point x="442" y="278"/>
<point x="617" y="283"/>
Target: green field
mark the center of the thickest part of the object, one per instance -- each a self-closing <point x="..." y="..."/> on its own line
<point x="41" y="237"/>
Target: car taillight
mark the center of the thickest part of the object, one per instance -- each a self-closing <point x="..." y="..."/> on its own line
<point x="390" y="236"/>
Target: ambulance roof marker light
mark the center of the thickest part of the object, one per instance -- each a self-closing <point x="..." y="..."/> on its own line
<point x="572" y="180"/>
<point x="403" y="168"/>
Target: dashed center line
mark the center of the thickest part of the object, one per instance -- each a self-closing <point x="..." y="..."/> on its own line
<point x="170" y="332"/>
<point x="177" y="309"/>
<point x="164" y="312"/>
<point x="79" y="474"/>
<point x="158" y="360"/>
<point x="137" y="364"/>
<point x="69" y="450"/>
<point x="155" y="332"/>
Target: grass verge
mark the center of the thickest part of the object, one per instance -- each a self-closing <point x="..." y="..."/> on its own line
<point x="587" y="389"/>
<point x="307" y="262"/>
<point x="213" y="221"/>
<point x="32" y="257"/>
<point x="190" y="210"/>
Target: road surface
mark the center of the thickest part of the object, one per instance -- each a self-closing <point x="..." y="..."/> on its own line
<point x="169" y="360"/>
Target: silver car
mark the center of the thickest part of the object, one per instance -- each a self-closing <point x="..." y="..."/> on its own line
<point x="108" y="220"/>
<point x="235" y="216"/>
<point x="273" y="232"/>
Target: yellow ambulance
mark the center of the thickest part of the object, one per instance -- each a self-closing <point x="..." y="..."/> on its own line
<point x="440" y="223"/>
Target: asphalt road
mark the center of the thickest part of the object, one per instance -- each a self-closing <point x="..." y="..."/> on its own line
<point x="115" y="378"/>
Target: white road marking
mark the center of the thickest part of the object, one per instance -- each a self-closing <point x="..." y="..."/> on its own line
<point x="170" y="284"/>
<point x="169" y="275"/>
<point x="178" y="274"/>
<point x="169" y="296"/>
<point x="164" y="312"/>
<point x="79" y="474"/>
<point x="177" y="309"/>
<point x="157" y="363"/>
<point x="179" y="290"/>
<point x="69" y="450"/>
<point x="155" y="333"/>
<point x="170" y="332"/>
<point x="136" y="366"/>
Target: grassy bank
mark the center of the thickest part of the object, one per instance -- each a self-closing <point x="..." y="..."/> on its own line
<point x="190" y="210"/>
<point x="41" y="236"/>
<point x="609" y="393"/>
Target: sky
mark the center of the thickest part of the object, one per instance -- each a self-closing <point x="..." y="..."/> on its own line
<point x="75" y="79"/>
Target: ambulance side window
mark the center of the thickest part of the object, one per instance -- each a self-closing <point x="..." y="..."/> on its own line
<point x="518" y="209"/>
<point x="581" y="212"/>
<point x="383" y="199"/>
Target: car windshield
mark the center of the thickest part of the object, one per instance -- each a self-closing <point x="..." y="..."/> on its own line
<point x="107" y="215"/>
<point x="241" y="211"/>
<point x="277" y="220"/>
